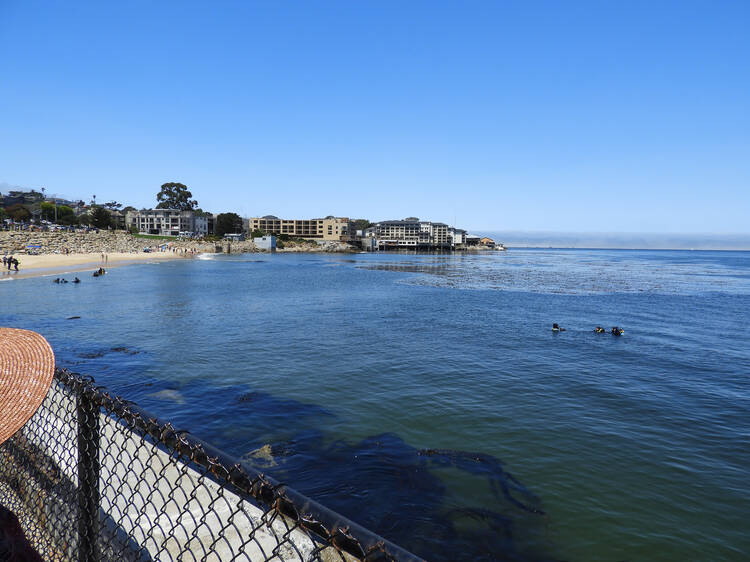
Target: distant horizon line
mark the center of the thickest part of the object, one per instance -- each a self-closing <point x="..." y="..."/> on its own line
<point x="659" y="249"/>
<point x="621" y="240"/>
<point x="612" y="232"/>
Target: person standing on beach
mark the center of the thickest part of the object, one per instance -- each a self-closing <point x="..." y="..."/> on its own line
<point x="15" y="264"/>
<point x="10" y="262"/>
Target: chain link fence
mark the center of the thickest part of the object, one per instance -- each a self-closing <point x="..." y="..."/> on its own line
<point x="93" y="477"/>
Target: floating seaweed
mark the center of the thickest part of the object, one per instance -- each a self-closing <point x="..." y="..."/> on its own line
<point x="125" y="350"/>
<point x="410" y="497"/>
<point x="414" y="497"/>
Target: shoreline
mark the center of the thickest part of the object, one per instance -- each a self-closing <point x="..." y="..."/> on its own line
<point x="45" y="265"/>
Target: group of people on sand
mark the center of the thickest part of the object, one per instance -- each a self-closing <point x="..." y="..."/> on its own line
<point x="615" y="331"/>
<point x="10" y="261"/>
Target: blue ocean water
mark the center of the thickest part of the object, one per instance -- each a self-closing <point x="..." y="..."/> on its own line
<point x="426" y="397"/>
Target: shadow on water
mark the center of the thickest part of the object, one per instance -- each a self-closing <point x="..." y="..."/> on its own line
<point x="425" y="500"/>
<point x="101" y="352"/>
<point x="440" y="504"/>
<point x="413" y="497"/>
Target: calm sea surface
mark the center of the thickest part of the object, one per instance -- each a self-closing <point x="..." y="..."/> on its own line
<point x="426" y="397"/>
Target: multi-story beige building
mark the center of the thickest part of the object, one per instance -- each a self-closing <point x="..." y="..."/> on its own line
<point x="329" y="228"/>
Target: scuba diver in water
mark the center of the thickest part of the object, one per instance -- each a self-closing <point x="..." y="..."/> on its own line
<point x="599" y="330"/>
<point x="617" y="331"/>
<point x="556" y="328"/>
<point x="76" y="280"/>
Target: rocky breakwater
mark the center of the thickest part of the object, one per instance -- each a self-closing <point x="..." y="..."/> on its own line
<point x="330" y="246"/>
<point x="68" y="242"/>
<point x="106" y="242"/>
<point x="233" y="247"/>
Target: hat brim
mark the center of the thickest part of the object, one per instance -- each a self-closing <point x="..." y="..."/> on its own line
<point x="27" y="365"/>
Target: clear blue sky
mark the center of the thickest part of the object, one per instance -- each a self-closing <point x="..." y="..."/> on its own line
<point x="571" y="116"/>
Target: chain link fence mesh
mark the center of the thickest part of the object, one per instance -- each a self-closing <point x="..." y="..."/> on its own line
<point x="93" y="477"/>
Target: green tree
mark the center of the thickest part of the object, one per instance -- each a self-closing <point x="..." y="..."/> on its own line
<point x="100" y="217"/>
<point x="66" y="215"/>
<point x="361" y="224"/>
<point x="84" y="219"/>
<point x="63" y="214"/>
<point x="18" y="212"/>
<point x="128" y="209"/>
<point x="228" y="223"/>
<point x="258" y="233"/>
<point x="3" y="214"/>
<point x="48" y="210"/>
<point x="175" y="195"/>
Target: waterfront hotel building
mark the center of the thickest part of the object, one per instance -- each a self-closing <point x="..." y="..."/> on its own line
<point x="329" y="228"/>
<point x="415" y="234"/>
<point x="169" y="222"/>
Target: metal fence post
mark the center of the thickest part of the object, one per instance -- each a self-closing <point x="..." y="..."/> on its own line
<point x="88" y="478"/>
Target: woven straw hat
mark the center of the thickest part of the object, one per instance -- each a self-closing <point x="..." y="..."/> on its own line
<point x="27" y="364"/>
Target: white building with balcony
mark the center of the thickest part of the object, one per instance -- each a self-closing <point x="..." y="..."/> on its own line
<point x="412" y="233"/>
<point x="169" y="222"/>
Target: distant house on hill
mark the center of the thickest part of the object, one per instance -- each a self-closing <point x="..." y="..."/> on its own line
<point x="15" y="197"/>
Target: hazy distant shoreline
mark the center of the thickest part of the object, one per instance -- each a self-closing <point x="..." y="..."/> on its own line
<point x="618" y="241"/>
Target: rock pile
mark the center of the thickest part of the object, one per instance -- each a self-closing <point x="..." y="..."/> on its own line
<point x="119" y="241"/>
<point x="73" y="242"/>
<point x="331" y="246"/>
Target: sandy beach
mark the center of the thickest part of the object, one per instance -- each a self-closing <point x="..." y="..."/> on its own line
<point x="60" y="264"/>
